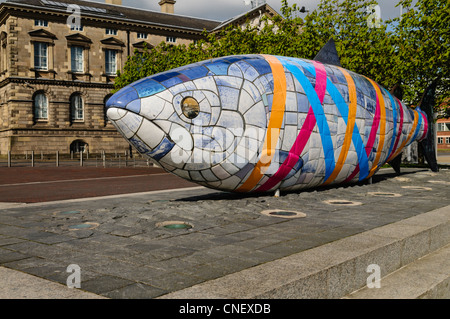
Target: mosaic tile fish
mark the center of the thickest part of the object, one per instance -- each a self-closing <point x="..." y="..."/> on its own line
<point x="258" y="123"/>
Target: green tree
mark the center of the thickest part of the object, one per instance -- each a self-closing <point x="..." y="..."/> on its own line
<point x="422" y="41"/>
<point x="413" y="50"/>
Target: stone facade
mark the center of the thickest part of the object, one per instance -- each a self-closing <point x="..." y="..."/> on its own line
<point x="20" y="130"/>
<point x="443" y="134"/>
<point x="28" y="28"/>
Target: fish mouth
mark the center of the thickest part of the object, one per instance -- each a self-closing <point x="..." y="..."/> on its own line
<point x="148" y="138"/>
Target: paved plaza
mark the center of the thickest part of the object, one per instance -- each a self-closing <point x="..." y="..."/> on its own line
<point x="153" y="244"/>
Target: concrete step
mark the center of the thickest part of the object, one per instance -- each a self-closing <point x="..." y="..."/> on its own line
<point x="19" y="285"/>
<point x="426" y="278"/>
<point x="337" y="269"/>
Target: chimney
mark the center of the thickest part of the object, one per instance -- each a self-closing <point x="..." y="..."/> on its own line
<point x="167" y="6"/>
<point x="117" y="2"/>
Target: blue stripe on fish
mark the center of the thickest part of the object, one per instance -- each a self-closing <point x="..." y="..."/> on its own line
<point x="343" y="110"/>
<point x="394" y="115"/>
<point x="356" y="136"/>
<point x="417" y="131"/>
<point x="321" y="119"/>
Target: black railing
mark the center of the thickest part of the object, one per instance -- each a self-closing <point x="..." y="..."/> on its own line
<point x="102" y="159"/>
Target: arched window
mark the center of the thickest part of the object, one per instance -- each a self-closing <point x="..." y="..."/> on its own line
<point x="40" y="106"/>
<point x="79" y="146"/>
<point x="76" y="108"/>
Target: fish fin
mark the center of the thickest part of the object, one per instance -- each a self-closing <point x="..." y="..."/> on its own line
<point x="428" y="144"/>
<point x="395" y="163"/>
<point x="328" y="54"/>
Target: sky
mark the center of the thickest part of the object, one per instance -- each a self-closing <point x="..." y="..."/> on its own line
<point x="222" y="10"/>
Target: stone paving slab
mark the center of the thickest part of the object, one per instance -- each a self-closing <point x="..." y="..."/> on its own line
<point x="122" y="252"/>
<point x="339" y="267"/>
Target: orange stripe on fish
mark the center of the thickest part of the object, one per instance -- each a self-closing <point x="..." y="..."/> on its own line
<point x="416" y="121"/>
<point x="350" y="126"/>
<point x="275" y="123"/>
<point x="382" y="133"/>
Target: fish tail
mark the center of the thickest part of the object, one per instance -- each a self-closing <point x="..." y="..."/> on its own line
<point x="428" y="142"/>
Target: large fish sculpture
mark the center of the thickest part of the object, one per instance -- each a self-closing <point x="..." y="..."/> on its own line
<point x="258" y="123"/>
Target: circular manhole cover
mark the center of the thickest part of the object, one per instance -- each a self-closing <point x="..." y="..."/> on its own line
<point x="383" y="194"/>
<point x="283" y="213"/>
<point x="342" y="202"/>
<point x="402" y="179"/>
<point x="418" y="188"/>
<point x="174" y="225"/>
<point x="439" y="182"/>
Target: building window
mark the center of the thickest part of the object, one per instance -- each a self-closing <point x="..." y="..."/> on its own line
<point x="142" y="35"/>
<point x="3" y="54"/>
<point x="77" y="57"/>
<point x="443" y="127"/>
<point x="171" y="39"/>
<point x="440" y="140"/>
<point x="76" y="108"/>
<point x="447" y="140"/>
<point x="40" y="105"/>
<point x="40" y="55"/>
<point x="41" y="23"/>
<point x="111" y="31"/>
<point x="110" y="62"/>
<point x="78" y="146"/>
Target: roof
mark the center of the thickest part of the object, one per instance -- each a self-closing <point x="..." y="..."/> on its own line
<point x="134" y="15"/>
<point x="122" y="13"/>
<point x="263" y="8"/>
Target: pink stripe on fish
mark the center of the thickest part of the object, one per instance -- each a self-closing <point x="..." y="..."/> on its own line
<point x="371" y="140"/>
<point x="303" y="136"/>
<point x="374" y="130"/>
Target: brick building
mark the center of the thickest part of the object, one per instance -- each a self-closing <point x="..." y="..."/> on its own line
<point x="56" y="73"/>
<point x="443" y="134"/>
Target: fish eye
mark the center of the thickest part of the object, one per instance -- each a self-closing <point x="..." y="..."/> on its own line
<point x="190" y="107"/>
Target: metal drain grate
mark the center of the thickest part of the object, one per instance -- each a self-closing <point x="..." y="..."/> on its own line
<point x="283" y="213"/>
<point x="174" y="225"/>
<point x="342" y="202"/>
<point x="402" y="179"/>
<point x="383" y="194"/>
<point x="418" y="188"/>
<point x="439" y="182"/>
